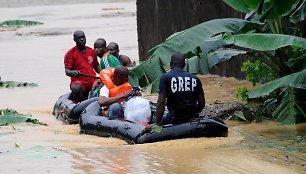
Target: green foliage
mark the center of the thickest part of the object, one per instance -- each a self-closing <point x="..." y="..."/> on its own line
<point x="277" y="47"/>
<point x="9" y="116"/>
<point x="188" y="41"/>
<point x="238" y="116"/>
<point x="288" y="59"/>
<point x="265" y="110"/>
<point x="245" y="6"/>
<point x="147" y="73"/>
<point x="9" y="84"/>
<point x="297" y="64"/>
<point x="291" y="109"/>
<point x="19" y="23"/>
<point x="300" y="13"/>
<point x="265" y="42"/>
<point x="242" y="93"/>
<point x="156" y="128"/>
<point x="257" y="72"/>
<point x="295" y="80"/>
<point x="244" y="115"/>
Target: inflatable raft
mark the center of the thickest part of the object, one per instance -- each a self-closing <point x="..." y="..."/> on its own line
<point x="69" y="111"/>
<point x="132" y="132"/>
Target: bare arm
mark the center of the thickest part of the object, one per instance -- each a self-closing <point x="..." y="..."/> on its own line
<point x="160" y="107"/>
<point x="97" y="69"/>
<point x="106" y="101"/>
<point x="201" y="103"/>
<point x="72" y="73"/>
<point x="126" y="61"/>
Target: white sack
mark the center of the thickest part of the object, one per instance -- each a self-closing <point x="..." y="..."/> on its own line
<point x="137" y="109"/>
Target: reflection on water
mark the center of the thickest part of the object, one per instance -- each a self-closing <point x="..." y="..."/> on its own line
<point x="63" y="146"/>
<point x="201" y="155"/>
<point x="233" y="154"/>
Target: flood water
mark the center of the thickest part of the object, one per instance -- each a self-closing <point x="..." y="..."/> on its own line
<point x="35" y="54"/>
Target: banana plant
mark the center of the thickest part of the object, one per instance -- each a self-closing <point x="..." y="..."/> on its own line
<point x="197" y="42"/>
<point x="282" y="48"/>
<point x="261" y="35"/>
<point x="274" y="13"/>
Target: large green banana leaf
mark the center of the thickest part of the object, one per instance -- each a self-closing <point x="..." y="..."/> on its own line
<point x="292" y="108"/>
<point x="270" y="9"/>
<point x="279" y="7"/>
<point x="265" y="42"/>
<point x="19" y="23"/>
<point x="147" y="73"/>
<point x="299" y="14"/>
<point x="244" y="6"/>
<point x="222" y="55"/>
<point x="193" y="37"/>
<point x="184" y="41"/>
<point x="298" y="63"/>
<point x="295" y="80"/>
<point x="284" y="8"/>
<point x="202" y="64"/>
<point x="8" y="116"/>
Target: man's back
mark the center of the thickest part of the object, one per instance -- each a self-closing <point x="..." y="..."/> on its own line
<point x="182" y="90"/>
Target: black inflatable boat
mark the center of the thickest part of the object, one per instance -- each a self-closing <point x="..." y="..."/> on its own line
<point x="69" y="111"/>
<point x="132" y="132"/>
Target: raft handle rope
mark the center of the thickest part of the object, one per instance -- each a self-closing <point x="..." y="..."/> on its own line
<point x="258" y="139"/>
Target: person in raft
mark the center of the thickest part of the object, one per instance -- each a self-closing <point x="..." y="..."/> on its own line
<point x="80" y="61"/>
<point x="124" y="60"/>
<point x="181" y="91"/>
<point x="106" y="60"/>
<point x="115" y="91"/>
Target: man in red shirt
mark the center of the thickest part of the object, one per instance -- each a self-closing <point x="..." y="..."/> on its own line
<point x="79" y="61"/>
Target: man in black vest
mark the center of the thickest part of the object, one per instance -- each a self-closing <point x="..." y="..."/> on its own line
<point x="181" y="91"/>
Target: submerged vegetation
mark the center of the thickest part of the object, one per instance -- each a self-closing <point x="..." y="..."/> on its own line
<point x="9" y="116"/>
<point x="273" y="32"/>
<point x="18" y="23"/>
<point x="9" y="84"/>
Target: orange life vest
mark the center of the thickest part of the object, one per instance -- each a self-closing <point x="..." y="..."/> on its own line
<point x="106" y="76"/>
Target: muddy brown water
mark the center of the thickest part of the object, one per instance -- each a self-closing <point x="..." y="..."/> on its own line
<point x="35" y="54"/>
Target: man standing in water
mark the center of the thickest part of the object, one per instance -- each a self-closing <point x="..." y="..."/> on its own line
<point x="106" y="60"/>
<point x="124" y="60"/>
<point x="80" y="61"/>
<point x="181" y="91"/>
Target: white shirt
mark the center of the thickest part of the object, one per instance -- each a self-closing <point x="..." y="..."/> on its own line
<point x="104" y="91"/>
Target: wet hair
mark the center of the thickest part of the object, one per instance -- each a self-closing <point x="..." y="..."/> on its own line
<point x="177" y="60"/>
